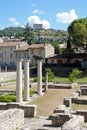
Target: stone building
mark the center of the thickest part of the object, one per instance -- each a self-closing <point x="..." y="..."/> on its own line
<point x="38" y="26"/>
<point x="40" y="50"/>
<point x="7" y="56"/>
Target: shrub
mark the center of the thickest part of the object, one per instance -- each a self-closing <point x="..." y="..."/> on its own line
<point x="50" y="74"/>
<point x="7" y="98"/>
<point x="76" y="73"/>
<point x="31" y="92"/>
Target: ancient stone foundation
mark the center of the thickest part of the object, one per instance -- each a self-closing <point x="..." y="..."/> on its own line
<point x="29" y="110"/>
<point x="65" y="119"/>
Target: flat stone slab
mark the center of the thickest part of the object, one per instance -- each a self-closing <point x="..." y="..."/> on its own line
<point x="41" y="123"/>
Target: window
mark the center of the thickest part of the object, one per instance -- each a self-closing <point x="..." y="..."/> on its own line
<point x="39" y="51"/>
<point x="4" y="52"/>
<point x="0" y="55"/>
<point x="25" y="55"/>
<point x="10" y="48"/>
<point x="10" y="55"/>
<point x="32" y="51"/>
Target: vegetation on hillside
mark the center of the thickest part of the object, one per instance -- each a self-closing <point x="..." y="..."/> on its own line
<point x="54" y="37"/>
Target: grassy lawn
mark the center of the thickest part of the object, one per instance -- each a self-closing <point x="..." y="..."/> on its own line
<point x="66" y="80"/>
<point x="78" y="106"/>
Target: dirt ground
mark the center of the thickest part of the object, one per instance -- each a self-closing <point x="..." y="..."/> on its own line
<point x="50" y="100"/>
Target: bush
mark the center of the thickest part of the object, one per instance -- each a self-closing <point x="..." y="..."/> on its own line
<point x="30" y="91"/>
<point x="7" y="98"/>
<point x="76" y="73"/>
<point x="50" y="74"/>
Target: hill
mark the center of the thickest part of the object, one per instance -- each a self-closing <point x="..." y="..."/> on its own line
<point x="49" y="34"/>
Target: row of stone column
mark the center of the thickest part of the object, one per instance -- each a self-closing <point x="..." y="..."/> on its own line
<point x="27" y="80"/>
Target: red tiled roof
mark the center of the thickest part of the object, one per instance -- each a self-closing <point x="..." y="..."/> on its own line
<point x="11" y="43"/>
<point x="35" y="46"/>
<point x="38" y="45"/>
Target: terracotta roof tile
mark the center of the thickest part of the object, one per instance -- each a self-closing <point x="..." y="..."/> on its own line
<point x="11" y="43"/>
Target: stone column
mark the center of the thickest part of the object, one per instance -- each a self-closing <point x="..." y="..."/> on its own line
<point x="39" y="87"/>
<point x="19" y="81"/>
<point x="26" y="80"/>
<point x="5" y="68"/>
<point x="46" y="82"/>
<point x="0" y="69"/>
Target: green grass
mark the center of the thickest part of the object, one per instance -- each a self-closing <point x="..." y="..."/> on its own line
<point x="61" y="79"/>
<point x="66" y="80"/>
<point x="78" y="106"/>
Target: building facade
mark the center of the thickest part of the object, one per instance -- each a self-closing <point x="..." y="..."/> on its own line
<point x="7" y="56"/>
<point x="39" y="50"/>
<point x="38" y="26"/>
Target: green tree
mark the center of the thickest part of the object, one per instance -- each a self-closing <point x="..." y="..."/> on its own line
<point x="50" y="74"/>
<point x="28" y="34"/>
<point x="78" y="32"/>
<point x="69" y="49"/>
<point x="55" y="44"/>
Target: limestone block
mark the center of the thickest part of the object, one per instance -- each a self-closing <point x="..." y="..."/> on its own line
<point x="11" y="119"/>
<point x="74" y="123"/>
<point x="67" y="102"/>
<point x="82" y="113"/>
<point x="29" y="110"/>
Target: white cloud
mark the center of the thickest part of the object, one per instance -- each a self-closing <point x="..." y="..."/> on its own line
<point x="36" y="20"/>
<point x="66" y="17"/>
<point x="14" y="21"/>
<point x="33" y="5"/>
<point x="37" y="11"/>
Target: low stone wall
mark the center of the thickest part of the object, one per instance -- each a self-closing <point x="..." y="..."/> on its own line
<point x="79" y="101"/>
<point x="67" y="102"/>
<point x="60" y="86"/>
<point x="29" y="110"/>
<point x="59" y="119"/>
<point x="11" y="119"/>
<point x="83" y="90"/>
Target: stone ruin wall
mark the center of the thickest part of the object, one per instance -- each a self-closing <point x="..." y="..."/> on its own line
<point x="11" y="119"/>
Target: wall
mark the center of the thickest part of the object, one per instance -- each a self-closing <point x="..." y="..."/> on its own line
<point x="29" y="110"/>
<point x="11" y="119"/>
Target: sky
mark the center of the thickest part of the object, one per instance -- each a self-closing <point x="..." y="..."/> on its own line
<point x="53" y="14"/>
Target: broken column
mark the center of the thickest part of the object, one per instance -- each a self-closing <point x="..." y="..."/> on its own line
<point x="19" y="81"/>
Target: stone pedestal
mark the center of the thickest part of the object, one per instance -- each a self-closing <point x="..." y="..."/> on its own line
<point x="26" y="80"/>
<point x="39" y="87"/>
<point x="19" y="81"/>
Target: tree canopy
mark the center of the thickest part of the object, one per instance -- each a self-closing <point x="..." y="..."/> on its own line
<point x="78" y="33"/>
<point x="28" y="34"/>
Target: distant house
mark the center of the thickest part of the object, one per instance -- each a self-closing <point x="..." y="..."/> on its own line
<point x="29" y="51"/>
<point x="77" y="59"/>
<point x="7" y="56"/>
<point x="56" y="59"/>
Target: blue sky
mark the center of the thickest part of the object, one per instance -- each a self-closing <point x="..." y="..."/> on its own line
<point x="55" y="14"/>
